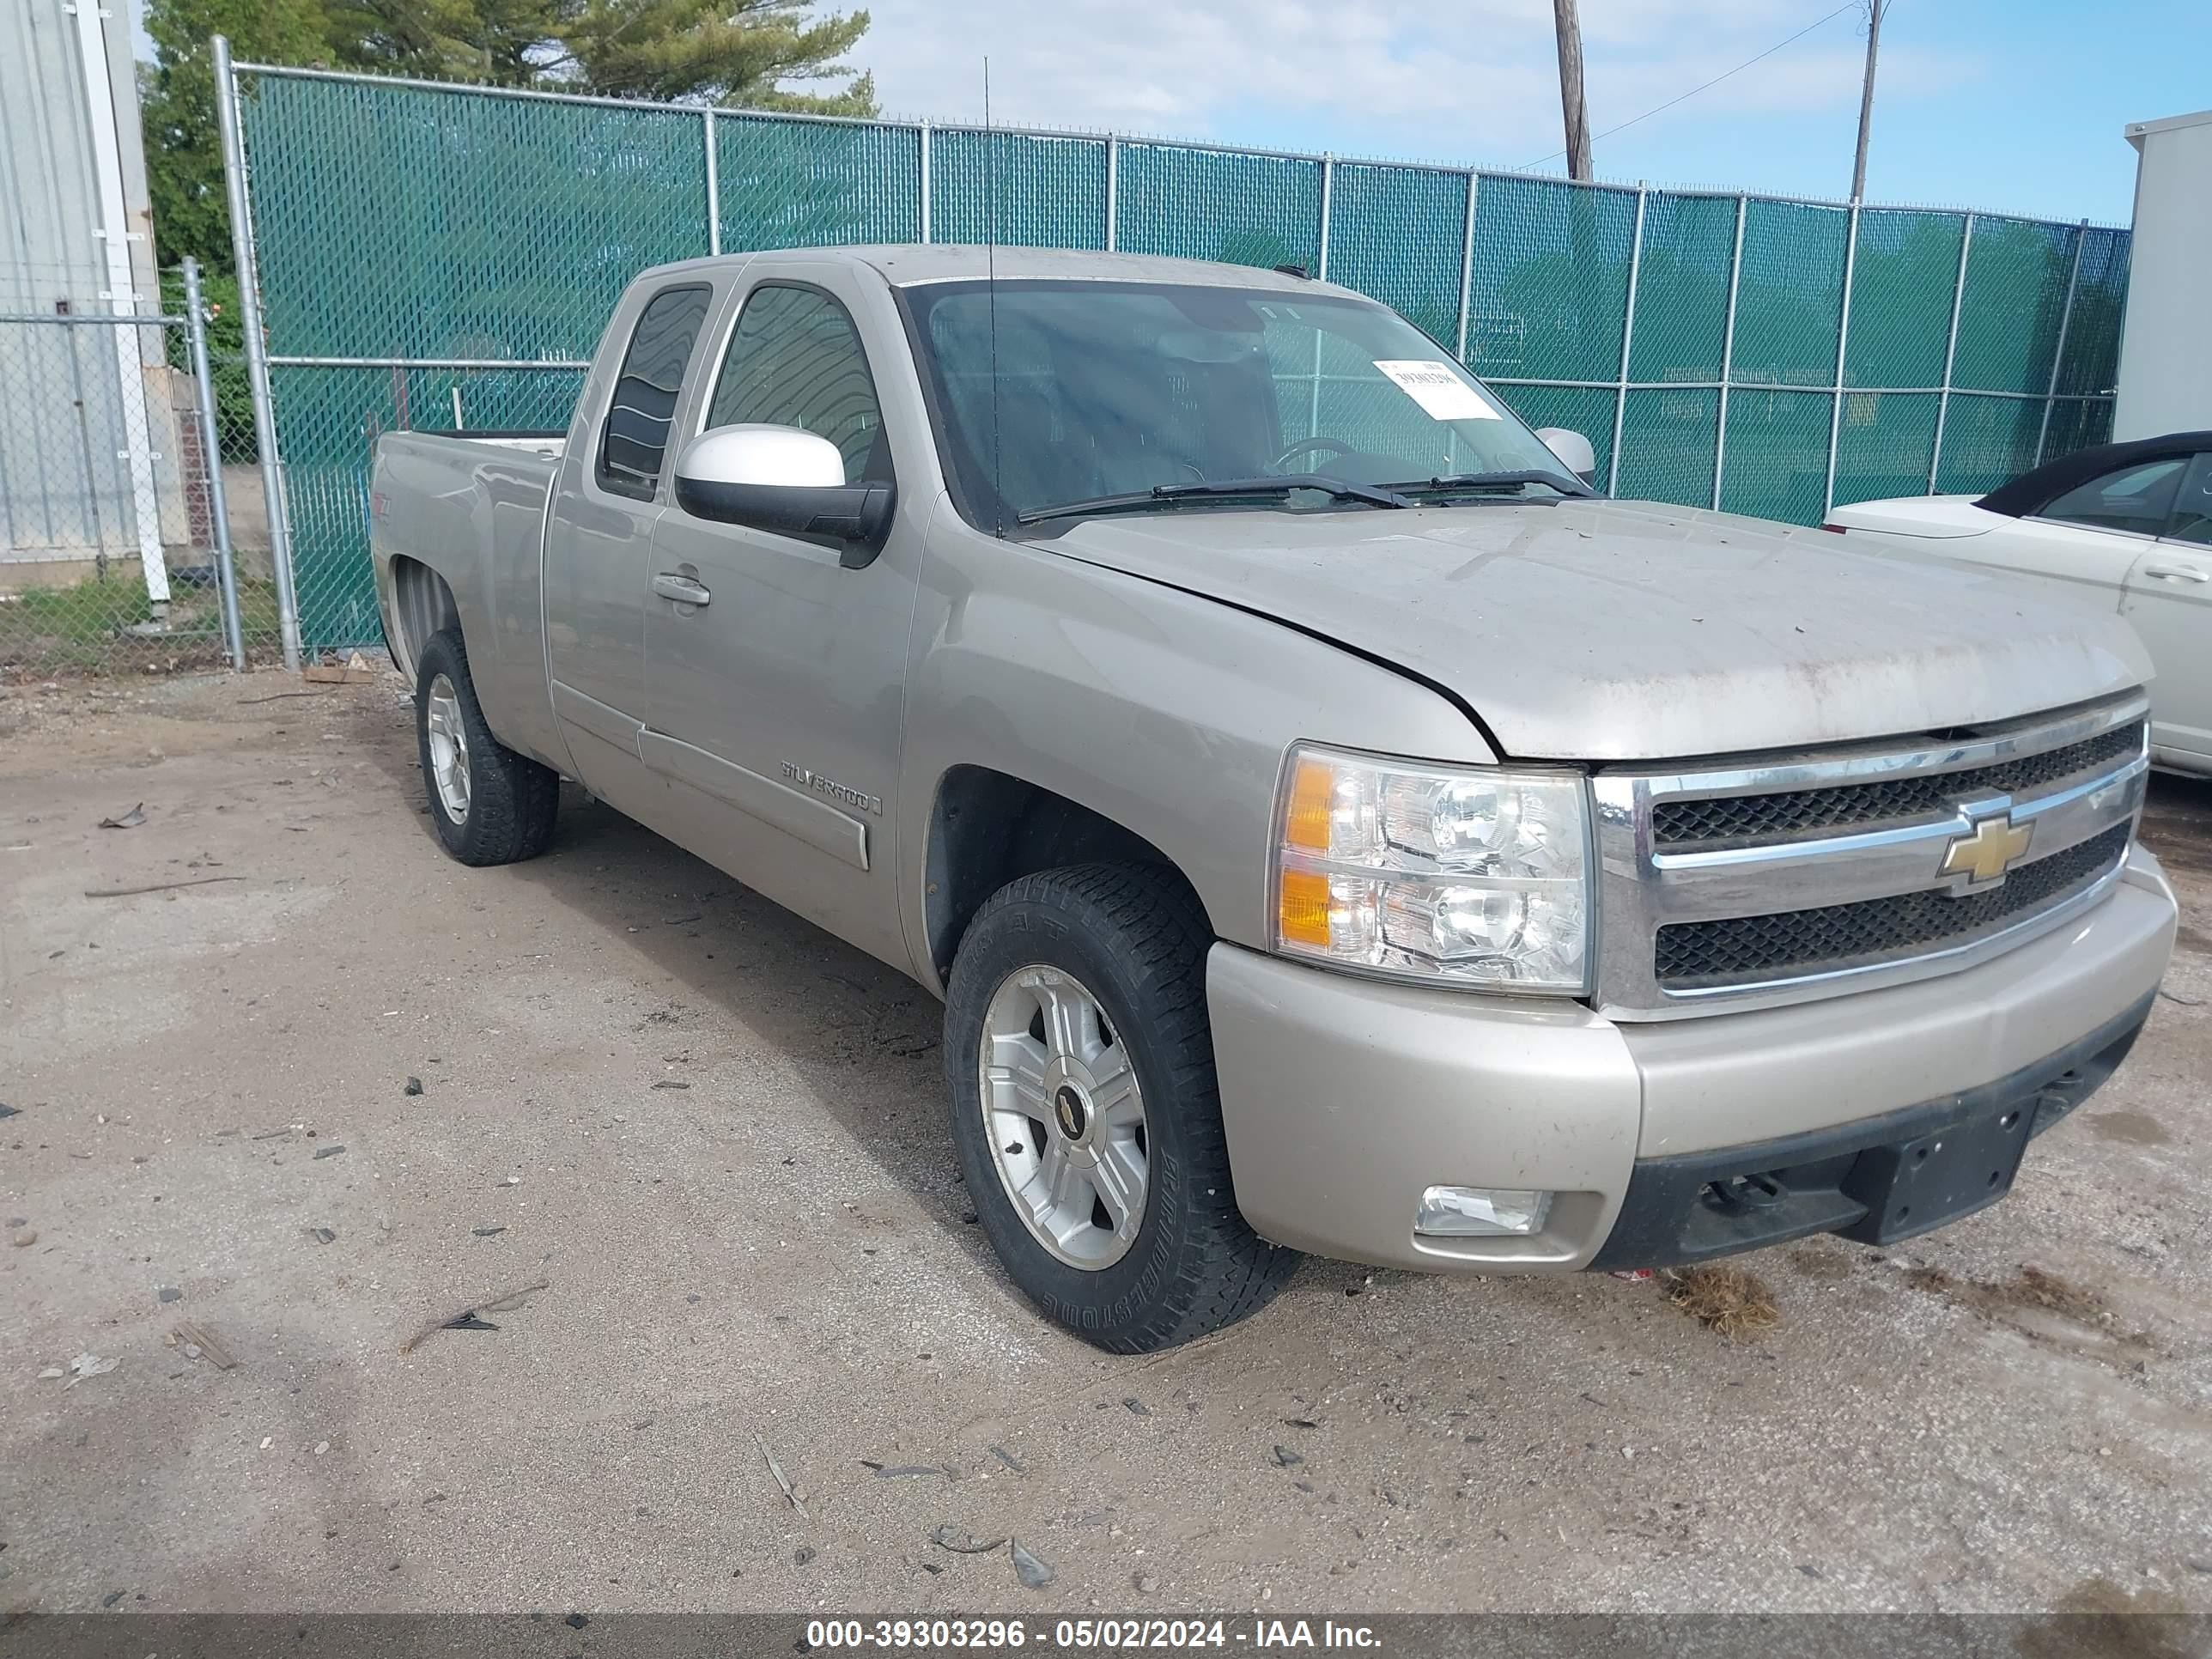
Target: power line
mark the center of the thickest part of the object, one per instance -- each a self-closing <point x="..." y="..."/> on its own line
<point x="1849" y="5"/>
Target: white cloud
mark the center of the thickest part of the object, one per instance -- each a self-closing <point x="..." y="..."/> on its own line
<point x="1475" y="82"/>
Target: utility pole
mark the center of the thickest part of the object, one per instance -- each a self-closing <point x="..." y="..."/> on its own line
<point x="1874" y="9"/>
<point x="1572" y="109"/>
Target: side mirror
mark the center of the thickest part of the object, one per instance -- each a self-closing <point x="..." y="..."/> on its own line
<point x="1573" y="450"/>
<point x="786" y="482"/>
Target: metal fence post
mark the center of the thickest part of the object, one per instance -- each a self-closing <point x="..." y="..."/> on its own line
<point x="715" y="189"/>
<point x="1466" y="262"/>
<point x="1327" y="189"/>
<point x="925" y="180"/>
<point x="1843" y="346"/>
<point x="1627" y="341"/>
<point x="1950" y="352"/>
<point x="226" y="571"/>
<point x="1728" y="349"/>
<point x="1113" y="186"/>
<point x="256" y="351"/>
<point x="2058" y="351"/>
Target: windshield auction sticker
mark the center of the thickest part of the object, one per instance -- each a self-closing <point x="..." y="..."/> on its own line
<point x="1437" y="389"/>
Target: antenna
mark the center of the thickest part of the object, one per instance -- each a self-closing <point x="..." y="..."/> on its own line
<point x="991" y="287"/>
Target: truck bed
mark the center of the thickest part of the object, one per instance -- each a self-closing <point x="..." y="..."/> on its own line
<point x="482" y="496"/>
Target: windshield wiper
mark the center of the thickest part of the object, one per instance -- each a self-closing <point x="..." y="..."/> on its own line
<point x="1471" y="483"/>
<point x="1255" y="488"/>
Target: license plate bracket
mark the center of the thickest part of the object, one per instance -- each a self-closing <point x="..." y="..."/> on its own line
<point x="1912" y="1185"/>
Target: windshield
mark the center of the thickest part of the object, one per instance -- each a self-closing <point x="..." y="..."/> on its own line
<point x="1114" y="390"/>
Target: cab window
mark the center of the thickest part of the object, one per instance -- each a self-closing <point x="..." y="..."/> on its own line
<point x="633" y="437"/>
<point x="795" y="360"/>
<point x="2135" y="498"/>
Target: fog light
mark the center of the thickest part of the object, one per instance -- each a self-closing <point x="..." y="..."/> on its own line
<point x="1480" y="1211"/>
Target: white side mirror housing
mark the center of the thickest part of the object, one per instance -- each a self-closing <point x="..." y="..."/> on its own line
<point x="761" y="454"/>
<point x="1573" y="450"/>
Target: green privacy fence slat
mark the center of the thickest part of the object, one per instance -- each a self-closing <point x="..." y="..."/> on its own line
<point x="1668" y="442"/>
<point x="1051" y="192"/>
<point x="1396" y="234"/>
<point x="1262" y="210"/>
<point x="1682" y="289"/>
<point x="1884" y="443"/>
<point x="1987" y="441"/>
<point x="399" y="222"/>
<point x="327" y="420"/>
<point x="1789" y="295"/>
<point x="1902" y="279"/>
<point x="1778" y="450"/>
<point x="1549" y="289"/>
<point x="2091" y="361"/>
<point x="814" y="183"/>
<point x="1578" y="409"/>
<point x="2016" y="277"/>
<point x="407" y="219"/>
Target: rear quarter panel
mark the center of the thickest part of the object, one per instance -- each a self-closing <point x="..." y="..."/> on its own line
<point x="473" y="514"/>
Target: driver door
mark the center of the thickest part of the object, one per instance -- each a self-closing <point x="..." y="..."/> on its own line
<point x="774" y="677"/>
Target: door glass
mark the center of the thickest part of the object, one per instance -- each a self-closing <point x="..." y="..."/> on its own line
<point x="795" y="360"/>
<point x="2134" y="498"/>
<point x="634" y="438"/>
<point x="2192" y="504"/>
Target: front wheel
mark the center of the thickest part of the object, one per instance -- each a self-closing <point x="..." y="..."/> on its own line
<point x="1085" y="1114"/>
<point x="490" y="805"/>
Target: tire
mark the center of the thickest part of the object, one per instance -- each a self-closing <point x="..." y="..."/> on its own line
<point x="1132" y="937"/>
<point x="506" y="803"/>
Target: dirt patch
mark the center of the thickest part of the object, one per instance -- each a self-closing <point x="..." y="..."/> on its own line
<point x="2194" y="940"/>
<point x="1729" y="1300"/>
<point x="2044" y="1308"/>
<point x="1820" y="1262"/>
<point x="2100" y="1619"/>
<point x="2130" y="1129"/>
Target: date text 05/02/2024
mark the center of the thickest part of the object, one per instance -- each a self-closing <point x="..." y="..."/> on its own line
<point x="1091" y="1635"/>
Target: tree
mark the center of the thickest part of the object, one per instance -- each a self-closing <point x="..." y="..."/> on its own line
<point x="762" y="54"/>
<point x="176" y="94"/>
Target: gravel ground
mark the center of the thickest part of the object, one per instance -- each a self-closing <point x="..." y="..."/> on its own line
<point x="716" y="1137"/>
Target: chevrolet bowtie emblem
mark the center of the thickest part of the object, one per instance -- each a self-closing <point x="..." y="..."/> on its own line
<point x="1993" y="847"/>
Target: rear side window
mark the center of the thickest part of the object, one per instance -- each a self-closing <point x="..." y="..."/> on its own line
<point x="2134" y="498"/>
<point x="633" y="439"/>
<point x="2193" y="506"/>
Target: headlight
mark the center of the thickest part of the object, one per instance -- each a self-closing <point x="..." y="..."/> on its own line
<point x="1469" y="875"/>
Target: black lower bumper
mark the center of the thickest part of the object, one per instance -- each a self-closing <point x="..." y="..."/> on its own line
<point x="1876" y="1180"/>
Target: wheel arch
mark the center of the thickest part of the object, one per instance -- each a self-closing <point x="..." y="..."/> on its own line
<point x="422" y="603"/>
<point x="988" y="827"/>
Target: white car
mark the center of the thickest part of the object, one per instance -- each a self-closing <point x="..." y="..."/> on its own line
<point x="2122" y="526"/>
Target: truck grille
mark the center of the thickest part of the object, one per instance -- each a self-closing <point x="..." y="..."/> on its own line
<point x="1694" y="953"/>
<point x="1779" y="878"/>
<point x="1808" y="812"/>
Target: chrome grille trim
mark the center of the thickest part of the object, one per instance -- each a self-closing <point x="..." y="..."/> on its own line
<point x="1644" y="886"/>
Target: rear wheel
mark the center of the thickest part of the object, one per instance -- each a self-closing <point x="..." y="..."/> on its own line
<point x="490" y="805"/>
<point x="1085" y="1114"/>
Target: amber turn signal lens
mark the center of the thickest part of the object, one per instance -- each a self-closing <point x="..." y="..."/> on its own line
<point x="1302" y="914"/>
<point x="1305" y="824"/>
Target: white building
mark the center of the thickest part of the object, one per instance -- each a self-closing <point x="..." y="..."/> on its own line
<point x="2165" y="348"/>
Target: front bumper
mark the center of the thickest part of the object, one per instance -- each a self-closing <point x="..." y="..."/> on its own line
<point x="1343" y="1098"/>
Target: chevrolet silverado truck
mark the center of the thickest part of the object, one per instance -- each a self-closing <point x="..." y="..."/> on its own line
<point x="1329" y="825"/>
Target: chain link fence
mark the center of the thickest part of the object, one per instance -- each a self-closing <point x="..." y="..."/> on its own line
<point x="132" y="534"/>
<point x="435" y="255"/>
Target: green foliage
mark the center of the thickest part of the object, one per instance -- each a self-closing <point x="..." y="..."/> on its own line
<point x="764" y="54"/>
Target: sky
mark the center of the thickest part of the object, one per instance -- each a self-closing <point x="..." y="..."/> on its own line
<point x="2004" y="105"/>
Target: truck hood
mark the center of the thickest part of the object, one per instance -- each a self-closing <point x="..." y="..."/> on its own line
<point x="1628" y="630"/>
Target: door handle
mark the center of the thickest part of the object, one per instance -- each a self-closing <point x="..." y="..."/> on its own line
<point x="681" y="589"/>
<point x="2176" y="573"/>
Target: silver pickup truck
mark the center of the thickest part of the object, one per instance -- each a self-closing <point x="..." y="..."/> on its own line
<point x="1330" y="826"/>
